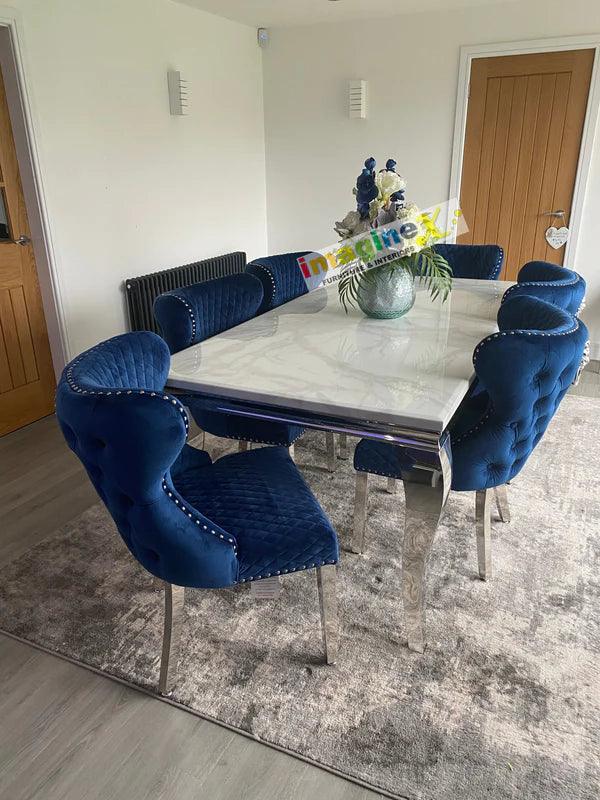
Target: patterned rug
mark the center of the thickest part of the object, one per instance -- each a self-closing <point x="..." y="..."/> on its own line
<point x="505" y="702"/>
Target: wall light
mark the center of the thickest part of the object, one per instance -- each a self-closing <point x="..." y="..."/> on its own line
<point x="178" y="99"/>
<point x="357" y="99"/>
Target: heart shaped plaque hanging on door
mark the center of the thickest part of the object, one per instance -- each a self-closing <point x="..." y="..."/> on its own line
<point x="557" y="237"/>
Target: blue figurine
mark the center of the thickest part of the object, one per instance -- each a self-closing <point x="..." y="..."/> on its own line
<point x="390" y="166"/>
<point x="366" y="189"/>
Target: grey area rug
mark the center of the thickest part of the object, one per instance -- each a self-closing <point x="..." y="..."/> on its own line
<point x="505" y="702"/>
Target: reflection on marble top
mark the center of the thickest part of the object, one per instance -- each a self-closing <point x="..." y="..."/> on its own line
<point x="309" y="355"/>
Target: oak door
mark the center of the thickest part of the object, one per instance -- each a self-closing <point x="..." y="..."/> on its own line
<point x="525" y="120"/>
<point x="27" y="381"/>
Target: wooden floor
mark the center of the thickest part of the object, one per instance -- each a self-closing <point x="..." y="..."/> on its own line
<point x="68" y="734"/>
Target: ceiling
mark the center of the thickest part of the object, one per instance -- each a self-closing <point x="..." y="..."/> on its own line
<point x="284" y="13"/>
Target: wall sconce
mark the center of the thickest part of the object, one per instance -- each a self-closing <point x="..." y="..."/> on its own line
<point x="357" y="99"/>
<point x="177" y="94"/>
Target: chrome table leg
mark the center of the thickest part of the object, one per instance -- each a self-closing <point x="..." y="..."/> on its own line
<point x="502" y="502"/>
<point x="426" y="487"/>
<point x="361" y="500"/>
<point x="243" y="446"/>
<point x="174" y="600"/>
<point x="483" y="523"/>
<point x="391" y="486"/>
<point x="327" y="586"/>
<point x="331" y="451"/>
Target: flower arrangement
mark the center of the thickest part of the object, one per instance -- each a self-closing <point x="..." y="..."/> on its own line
<point x="379" y="201"/>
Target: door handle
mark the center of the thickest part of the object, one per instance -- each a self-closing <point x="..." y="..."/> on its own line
<point x="22" y="240"/>
<point x="558" y="213"/>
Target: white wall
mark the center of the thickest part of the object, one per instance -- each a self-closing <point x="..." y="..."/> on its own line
<point x="129" y="188"/>
<point x="314" y="151"/>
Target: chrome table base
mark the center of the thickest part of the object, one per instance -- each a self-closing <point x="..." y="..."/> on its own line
<point x="426" y="488"/>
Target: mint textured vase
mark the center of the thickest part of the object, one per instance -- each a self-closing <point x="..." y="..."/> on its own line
<point x="385" y="293"/>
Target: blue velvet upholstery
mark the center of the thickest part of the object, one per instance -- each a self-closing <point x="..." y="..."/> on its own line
<point x="280" y="277"/>
<point x="187" y="520"/>
<point x="557" y="285"/>
<point x="524" y="371"/>
<point x="195" y="313"/>
<point x="483" y="261"/>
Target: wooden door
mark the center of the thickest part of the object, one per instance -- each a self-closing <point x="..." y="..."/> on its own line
<point x="523" y="135"/>
<point x="26" y="375"/>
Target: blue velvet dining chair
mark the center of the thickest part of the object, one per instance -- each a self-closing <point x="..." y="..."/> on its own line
<point x="283" y="281"/>
<point x="187" y="520"/>
<point x="524" y="371"/>
<point x="558" y="285"/>
<point x="195" y="313"/>
<point x="280" y="277"/>
<point x="482" y="261"/>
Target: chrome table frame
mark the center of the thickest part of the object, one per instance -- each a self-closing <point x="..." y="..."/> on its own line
<point x="426" y="484"/>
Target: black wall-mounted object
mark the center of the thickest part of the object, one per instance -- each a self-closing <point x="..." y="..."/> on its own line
<point x="142" y="291"/>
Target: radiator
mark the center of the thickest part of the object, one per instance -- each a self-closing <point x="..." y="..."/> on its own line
<point x="142" y="291"/>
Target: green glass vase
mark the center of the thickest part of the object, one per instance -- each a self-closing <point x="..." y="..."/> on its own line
<point x="385" y="293"/>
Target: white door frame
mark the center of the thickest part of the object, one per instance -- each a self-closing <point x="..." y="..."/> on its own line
<point x="469" y="52"/>
<point x="37" y="210"/>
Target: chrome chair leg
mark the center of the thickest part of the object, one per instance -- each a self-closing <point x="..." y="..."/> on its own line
<point x="361" y="501"/>
<point x="483" y="523"/>
<point x="502" y="503"/>
<point x="326" y="583"/>
<point x="343" y="446"/>
<point x="243" y="446"/>
<point x="292" y="452"/>
<point x="331" y="451"/>
<point x="174" y="600"/>
<point x="392" y="486"/>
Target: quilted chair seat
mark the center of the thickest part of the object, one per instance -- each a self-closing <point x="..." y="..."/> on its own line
<point x="261" y="499"/>
<point x="195" y="313"/>
<point x="280" y="277"/>
<point x="187" y="520"/>
<point x="552" y="283"/>
<point x="482" y="261"/>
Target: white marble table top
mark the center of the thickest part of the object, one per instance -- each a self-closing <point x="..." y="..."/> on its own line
<point x="308" y="355"/>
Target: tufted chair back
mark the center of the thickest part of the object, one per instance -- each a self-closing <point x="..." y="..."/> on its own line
<point x="483" y="261"/>
<point x="130" y="434"/>
<point x="208" y="308"/>
<point x="558" y="285"/>
<point x="280" y="277"/>
<point x="525" y="370"/>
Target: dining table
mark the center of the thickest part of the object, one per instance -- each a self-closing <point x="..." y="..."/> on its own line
<point x="308" y="362"/>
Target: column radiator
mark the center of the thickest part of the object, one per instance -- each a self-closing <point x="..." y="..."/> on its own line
<point x="143" y="290"/>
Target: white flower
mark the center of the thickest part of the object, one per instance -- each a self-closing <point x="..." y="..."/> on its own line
<point x="388" y="183"/>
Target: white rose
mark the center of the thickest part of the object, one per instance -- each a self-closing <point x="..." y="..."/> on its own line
<point x="388" y="183"/>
